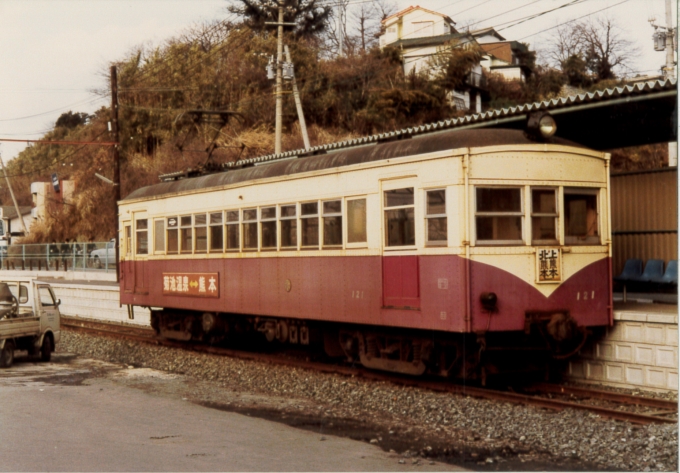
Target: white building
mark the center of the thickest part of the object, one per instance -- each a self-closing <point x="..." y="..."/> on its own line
<point x="420" y="34"/>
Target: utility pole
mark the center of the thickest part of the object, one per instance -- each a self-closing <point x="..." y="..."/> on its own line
<point x="116" y="161"/>
<point x="16" y="206"/>
<point x="298" y="104"/>
<point x="279" y="82"/>
<point x="670" y="49"/>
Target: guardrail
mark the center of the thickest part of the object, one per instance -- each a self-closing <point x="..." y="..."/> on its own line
<point x="81" y="256"/>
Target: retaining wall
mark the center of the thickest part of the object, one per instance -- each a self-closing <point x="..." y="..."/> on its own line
<point x="639" y="351"/>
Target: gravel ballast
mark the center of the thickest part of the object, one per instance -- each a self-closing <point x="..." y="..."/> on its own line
<point x="474" y="433"/>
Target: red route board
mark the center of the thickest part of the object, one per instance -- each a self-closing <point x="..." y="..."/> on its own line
<point x="191" y="284"/>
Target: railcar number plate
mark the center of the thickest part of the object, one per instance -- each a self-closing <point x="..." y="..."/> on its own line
<point x="548" y="264"/>
<point x="191" y="284"/>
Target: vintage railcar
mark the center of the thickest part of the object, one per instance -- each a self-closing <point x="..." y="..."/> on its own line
<point x="461" y="253"/>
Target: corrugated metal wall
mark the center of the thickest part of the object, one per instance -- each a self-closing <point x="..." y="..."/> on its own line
<point x="644" y="216"/>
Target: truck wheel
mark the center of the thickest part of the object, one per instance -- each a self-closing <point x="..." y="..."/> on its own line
<point x="46" y="349"/>
<point x="7" y="354"/>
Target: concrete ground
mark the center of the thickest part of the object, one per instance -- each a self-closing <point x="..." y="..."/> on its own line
<point x="72" y="415"/>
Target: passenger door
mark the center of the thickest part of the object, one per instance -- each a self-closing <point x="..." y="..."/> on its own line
<point x="47" y="307"/>
<point x="400" y="268"/>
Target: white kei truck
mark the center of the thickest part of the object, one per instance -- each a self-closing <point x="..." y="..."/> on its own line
<point x="29" y="319"/>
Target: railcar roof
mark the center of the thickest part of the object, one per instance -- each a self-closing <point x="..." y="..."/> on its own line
<point x="452" y="139"/>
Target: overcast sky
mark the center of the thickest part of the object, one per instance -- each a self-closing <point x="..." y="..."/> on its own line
<point x="53" y="53"/>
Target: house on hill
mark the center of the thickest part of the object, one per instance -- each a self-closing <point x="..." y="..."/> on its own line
<point x="420" y="34"/>
<point x="10" y="225"/>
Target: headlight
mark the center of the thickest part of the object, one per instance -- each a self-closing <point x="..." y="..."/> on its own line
<point x="540" y="126"/>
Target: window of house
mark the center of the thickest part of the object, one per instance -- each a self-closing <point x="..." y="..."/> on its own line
<point x="309" y="224"/>
<point x="233" y="242"/>
<point x="250" y="229"/>
<point x="268" y="227"/>
<point x="159" y="236"/>
<point x="580" y="217"/>
<point x="185" y="232"/>
<point x="173" y="235"/>
<point x="498" y="215"/>
<point x="216" y="232"/>
<point x="356" y="221"/>
<point x="543" y="216"/>
<point x="435" y="217"/>
<point x="288" y="226"/>
<point x="400" y="217"/>
<point x="332" y="223"/>
<point x="201" y="233"/>
<point x="142" y="237"/>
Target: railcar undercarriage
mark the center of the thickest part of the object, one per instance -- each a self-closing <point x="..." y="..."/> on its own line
<point x="548" y="338"/>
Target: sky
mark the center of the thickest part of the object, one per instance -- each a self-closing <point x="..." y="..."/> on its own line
<point x="54" y="53"/>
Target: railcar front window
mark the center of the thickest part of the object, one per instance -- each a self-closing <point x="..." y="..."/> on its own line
<point x="173" y="235"/>
<point x="159" y="236"/>
<point x="250" y="229"/>
<point x="435" y="217"/>
<point x="185" y="231"/>
<point x="356" y="221"/>
<point x="309" y="224"/>
<point x="288" y="227"/>
<point x="498" y="215"/>
<point x="543" y="216"/>
<point x="580" y="217"/>
<point x="400" y="217"/>
<point x="216" y="232"/>
<point x="201" y="233"/>
<point x="142" y="237"/>
<point x="233" y="243"/>
<point x="332" y="223"/>
<point x="268" y="226"/>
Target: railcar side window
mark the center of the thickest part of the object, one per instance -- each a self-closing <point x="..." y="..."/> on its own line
<point x="332" y="223"/>
<point x="268" y="227"/>
<point x="499" y="215"/>
<point x="201" y="233"/>
<point x="128" y="240"/>
<point x="309" y="224"/>
<point x="435" y="217"/>
<point x="400" y="217"/>
<point x="159" y="236"/>
<point x="142" y="236"/>
<point x="185" y="231"/>
<point x="250" y="229"/>
<point x="289" y="226"/>
<point x="233" y="230"/>
<point x="216" y="231"/>
<point x="173" y="235"/>
<point x="356" y="221"/>
<point x="580" y="217"/>
<point x="543" y="216"/>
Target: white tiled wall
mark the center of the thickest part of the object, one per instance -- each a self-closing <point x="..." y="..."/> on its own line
<point x="639" y="351"/>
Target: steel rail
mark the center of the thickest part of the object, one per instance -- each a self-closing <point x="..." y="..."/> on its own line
<point x="147" y="336"/>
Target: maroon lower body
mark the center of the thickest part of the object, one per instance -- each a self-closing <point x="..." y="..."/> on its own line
<point x="418" y="292"/>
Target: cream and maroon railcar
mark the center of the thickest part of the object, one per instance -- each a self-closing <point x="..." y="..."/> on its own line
<point x="441" y="253"/>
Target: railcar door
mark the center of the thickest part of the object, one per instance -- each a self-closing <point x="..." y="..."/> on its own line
<point x="401" y="278"/>
<point x="140" y="253"/>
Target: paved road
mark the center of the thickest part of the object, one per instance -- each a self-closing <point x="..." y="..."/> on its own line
<point x="72" y="415"/>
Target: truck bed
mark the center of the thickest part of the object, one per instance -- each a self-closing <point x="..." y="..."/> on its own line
<point x="23" y="326"/>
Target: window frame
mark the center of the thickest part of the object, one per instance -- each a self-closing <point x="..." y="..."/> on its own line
<point x="575" y="190"/>
<point x="243" y="230"/>
<point x="385" y="209"/>
<point x="268" y="220"/>
<point x="182" y="226"/>
<point x="195" y="227"/>
<point x="162" y="220"/>
<point x="319" y="231"/>
<point x="556" y="216"/>
<point x="521" y="214"/>
<point x="169" y="229"/>
<point x="233" y="223"/>
<point x="322" y="224"/>
<point x="295" y="219"/>
<point x="356" y="244"/>
<point x="427" y="217"/>
<point x="211" y="225"/>
<point x="139" y="233"/>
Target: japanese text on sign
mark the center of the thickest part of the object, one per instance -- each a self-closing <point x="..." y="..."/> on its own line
<point x="549" y="264"/>
<point x="191" y="284"/>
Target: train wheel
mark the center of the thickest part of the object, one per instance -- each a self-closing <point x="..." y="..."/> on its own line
<point x="7" y="354"/>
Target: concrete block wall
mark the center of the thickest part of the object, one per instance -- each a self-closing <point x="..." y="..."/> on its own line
<point x="96" y="302"/>
<point x="639" y="351"/>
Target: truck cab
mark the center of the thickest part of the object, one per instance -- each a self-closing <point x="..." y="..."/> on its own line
<point x="29" y="319"/>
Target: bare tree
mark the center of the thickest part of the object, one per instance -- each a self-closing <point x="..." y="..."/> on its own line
<point x="367" y="19"/>
<point x="596" y="47"/>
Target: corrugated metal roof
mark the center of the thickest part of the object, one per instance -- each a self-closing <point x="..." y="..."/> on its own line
<point x="475" y="119"/>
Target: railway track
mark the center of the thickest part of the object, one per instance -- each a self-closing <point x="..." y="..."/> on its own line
<point x="614" y="405"/>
